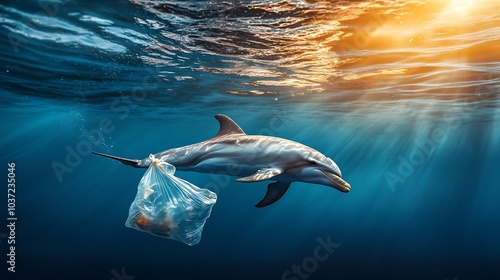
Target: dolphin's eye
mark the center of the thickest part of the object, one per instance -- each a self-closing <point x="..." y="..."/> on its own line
<point x="311" y="162"/>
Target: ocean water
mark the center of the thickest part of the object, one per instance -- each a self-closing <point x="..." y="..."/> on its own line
<point x="403" y="95"/>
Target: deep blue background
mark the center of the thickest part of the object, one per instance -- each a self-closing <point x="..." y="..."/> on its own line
<point x="439" y="221"/>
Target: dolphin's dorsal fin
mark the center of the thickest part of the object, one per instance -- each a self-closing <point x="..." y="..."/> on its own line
<point x="227" y="126"/>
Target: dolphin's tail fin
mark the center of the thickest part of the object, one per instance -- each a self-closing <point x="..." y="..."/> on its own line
<point x="126" y="161"/>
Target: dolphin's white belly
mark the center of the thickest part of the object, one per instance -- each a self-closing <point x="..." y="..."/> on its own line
<point x="240" y="160"/>
<point x="225" y="166"/>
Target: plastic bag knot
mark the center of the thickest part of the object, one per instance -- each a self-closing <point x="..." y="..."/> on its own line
<point x="154" y="160"/>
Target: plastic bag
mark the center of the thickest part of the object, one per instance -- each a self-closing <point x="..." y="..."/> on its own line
<point x="168" y="206"/>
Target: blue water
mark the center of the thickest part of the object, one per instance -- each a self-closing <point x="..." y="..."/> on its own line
<point x="403" y="95"/>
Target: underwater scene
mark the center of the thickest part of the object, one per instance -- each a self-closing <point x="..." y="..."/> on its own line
<point x="334" y="139"/>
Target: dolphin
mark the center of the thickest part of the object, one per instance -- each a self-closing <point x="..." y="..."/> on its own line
<point x="253" y="158"/>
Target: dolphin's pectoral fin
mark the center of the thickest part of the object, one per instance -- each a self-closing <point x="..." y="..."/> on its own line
<point x="274" y="192"/>
<point x="261" y="175"/>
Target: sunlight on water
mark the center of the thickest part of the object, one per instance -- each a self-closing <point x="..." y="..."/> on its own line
<point x="348" y="51"/>
<point x="384" y="49"/>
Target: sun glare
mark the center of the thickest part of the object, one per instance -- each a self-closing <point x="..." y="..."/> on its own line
<point x="461" y="5"/>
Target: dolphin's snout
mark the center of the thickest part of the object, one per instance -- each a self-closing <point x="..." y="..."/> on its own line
<point x="337" y="182"/>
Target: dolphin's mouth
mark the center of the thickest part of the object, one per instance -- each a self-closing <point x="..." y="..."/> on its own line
<point x="339" y="183"/>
